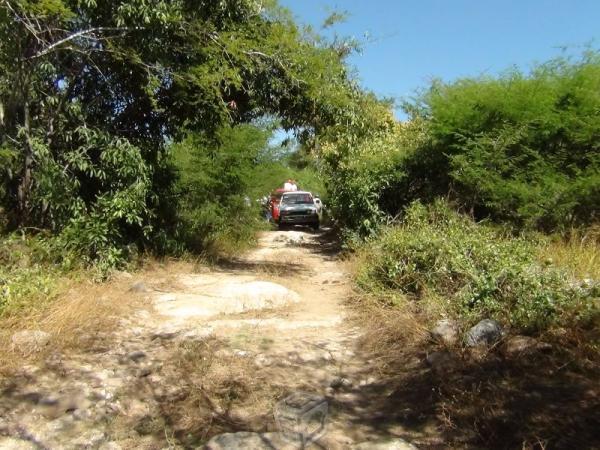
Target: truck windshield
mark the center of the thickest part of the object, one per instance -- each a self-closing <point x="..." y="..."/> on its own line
<point x="297" y="199"/>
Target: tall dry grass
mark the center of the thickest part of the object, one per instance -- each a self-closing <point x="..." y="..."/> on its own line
<point x="578" y="253"/>
<point x="79" y="313"/>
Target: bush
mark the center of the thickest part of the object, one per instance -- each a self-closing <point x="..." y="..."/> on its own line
<point x="364" y="180"/>
<point x="212" y="187"/>
<point x="519" y="149"/>
<point x="27" y="277"/>
<point x="472" y="271"/>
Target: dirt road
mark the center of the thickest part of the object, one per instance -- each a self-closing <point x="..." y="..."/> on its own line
<point x="209" y="351"/>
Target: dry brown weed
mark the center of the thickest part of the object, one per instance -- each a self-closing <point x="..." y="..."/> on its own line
<point x="220" y="391"/>
<point x="81" y="312"/>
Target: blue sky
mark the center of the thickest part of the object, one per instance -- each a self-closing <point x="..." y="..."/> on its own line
<point x="419" y="39"/>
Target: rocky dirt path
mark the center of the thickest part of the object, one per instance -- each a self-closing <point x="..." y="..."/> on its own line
<point x="213" y="352"/>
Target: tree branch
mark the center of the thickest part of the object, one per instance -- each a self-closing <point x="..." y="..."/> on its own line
<point x="82" y="33"/>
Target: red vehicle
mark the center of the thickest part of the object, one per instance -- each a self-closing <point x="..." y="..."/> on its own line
<point x="274" y="203"/>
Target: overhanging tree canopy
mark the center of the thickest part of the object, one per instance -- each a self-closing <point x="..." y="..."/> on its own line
<point x="92" y="90"/>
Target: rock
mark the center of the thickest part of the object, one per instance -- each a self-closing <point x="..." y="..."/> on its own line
<point x="256" y="441"/>
<point x="144" y="372"/>
<point x="99" y="394"/>
<point x="198" y="334"/>
<point x="139" y="286"/>
<point x="104" y="374"/>
<point x="329" y="356"/>
<point x="138" y="409"/>
<point x="392" y="444"/>
<point x="263" y="360"/>
<point x="519" y="344"/>
<point x="334" y="439"/>
<point x="114" y="408"/>
<point x="587" y="286"/>
<point x="276" y="323"/>
<point x="445" y="331"/>
<point x="165" y="335"/>
<point x="308" y="357"/>
<point x="543" y="347"/>
<point x="368" y="381"/>
<point x="486" y="332"/>
<point x="341" y="383"/>
<point x="82" y="414"/>
<point x="229" y="296"/>
<point x="53" y="407"/>
<point x="291" y="238"/>
<point x="29" y="341"/>
<point x="8" y="443"/>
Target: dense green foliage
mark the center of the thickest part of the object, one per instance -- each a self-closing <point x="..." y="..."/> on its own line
<point x="518" y="151"/>
<point x="454" y="267"/>
<point x="364" y="173"/>
<point x="521" y="149"/>
<point x="213" y="186"/>
<point x="273" y="169"/>
<point x="93" y="92"/>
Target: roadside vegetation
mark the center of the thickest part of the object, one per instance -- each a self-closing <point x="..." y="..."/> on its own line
<point x="452" y="267"/>
<point x="484" y="205"/>
<point x="222" y="183"/>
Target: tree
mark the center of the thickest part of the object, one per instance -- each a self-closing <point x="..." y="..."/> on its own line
<point x="92" y="91"/>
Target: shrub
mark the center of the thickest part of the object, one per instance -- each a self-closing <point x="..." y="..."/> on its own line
<point x="519" y="149"/>
<point x="214" y="186"/>
<point x="26" y="277"/>
<point x="364" y="180"/>
<point x="472" y="271"/>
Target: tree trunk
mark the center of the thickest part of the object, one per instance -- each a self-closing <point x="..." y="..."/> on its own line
<point x="24" y="188"/>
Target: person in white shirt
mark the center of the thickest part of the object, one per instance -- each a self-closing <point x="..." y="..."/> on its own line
<point x="288" y="186"/>
<point x="318" y="204"/>
<point x="294" y="187"/>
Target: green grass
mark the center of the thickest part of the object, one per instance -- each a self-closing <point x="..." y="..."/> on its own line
<point x="451" y="266"/>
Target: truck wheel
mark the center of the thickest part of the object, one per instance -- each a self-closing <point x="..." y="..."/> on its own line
<point x="315" y="226"/>
<point x="281" y="226"/>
